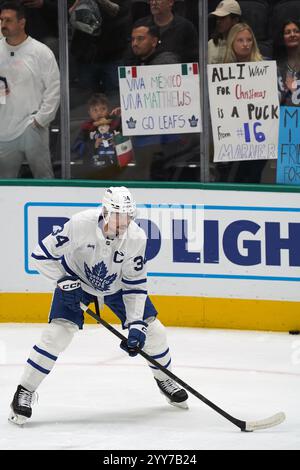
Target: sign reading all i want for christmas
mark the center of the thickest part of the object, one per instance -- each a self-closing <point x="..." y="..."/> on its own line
<point x="160" y="99"/>
<point x="244" y="110"/>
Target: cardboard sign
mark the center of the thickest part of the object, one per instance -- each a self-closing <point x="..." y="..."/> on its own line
<point x="244" y="110"/>
<point x="288" y="164"/>
<point x="160" y="99"/>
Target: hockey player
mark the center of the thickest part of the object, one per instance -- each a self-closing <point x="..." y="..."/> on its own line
<point x="97" y="256"/>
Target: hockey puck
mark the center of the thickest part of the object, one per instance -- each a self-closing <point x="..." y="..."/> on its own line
<point x="294" y="332"/>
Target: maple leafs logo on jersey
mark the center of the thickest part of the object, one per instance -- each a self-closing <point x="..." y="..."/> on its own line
<point x="98" y="276"/>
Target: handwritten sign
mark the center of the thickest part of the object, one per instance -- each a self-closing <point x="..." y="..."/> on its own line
<point x="160" y="99"/>
<point x="244" y="110"/>
<point x="288" y="164"/>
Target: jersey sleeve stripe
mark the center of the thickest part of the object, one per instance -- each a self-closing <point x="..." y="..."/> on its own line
<point x="40" y="257"/>
<point x="132" y="283"/>
<point x="47" y="253"/>
<point x="69" y="270"/>
<point x="134" y="291"/>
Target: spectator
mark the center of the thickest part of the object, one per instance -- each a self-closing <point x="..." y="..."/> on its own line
<point x="141" y="8"/>
<point x="98" y="58"/>
<point x="177" y="34"/>
<point x="86" y="145"/>
<point x="145" y="48"/>
<point x="227" y="14"/>
<point x="41" y="21"/>
<point x="145" y="51"/>
<point x="32" y="76"/>
<point x="287" y="54"/>
<point x="242" y="47"/>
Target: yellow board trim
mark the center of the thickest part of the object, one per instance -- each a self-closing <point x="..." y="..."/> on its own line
<point x="201" y="312"/>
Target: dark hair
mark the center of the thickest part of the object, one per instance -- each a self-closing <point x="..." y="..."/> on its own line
<point x="98" y="98"/>
<point x="147" y="23"/>
<point x="215" y="35"/>
<point x="279" y="45"/>
<point x="16" y="6"/>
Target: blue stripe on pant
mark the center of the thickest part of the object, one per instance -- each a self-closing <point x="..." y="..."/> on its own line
<point x="44" y="353"/>
<point x="164" y="365"/>
<point x="37" y="367"/>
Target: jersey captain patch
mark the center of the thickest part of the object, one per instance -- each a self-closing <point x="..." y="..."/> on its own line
<point x="98" y="278"/>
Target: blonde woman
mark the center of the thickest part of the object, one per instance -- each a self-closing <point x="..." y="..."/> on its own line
<point x="241" y="45"/>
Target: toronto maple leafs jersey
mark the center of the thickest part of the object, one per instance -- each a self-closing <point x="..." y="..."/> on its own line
<point x="104" y="266"/>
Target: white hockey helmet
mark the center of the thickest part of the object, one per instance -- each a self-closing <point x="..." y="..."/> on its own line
<point x="118" y="199"/>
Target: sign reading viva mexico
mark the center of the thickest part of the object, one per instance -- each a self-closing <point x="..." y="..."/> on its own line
<point x="160" y="99"/>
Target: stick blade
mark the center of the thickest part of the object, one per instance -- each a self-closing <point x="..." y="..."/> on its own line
<point x="266" y="423"/>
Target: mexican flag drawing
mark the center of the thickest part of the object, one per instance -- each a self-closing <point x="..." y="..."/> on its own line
<point x="123" y="148"/>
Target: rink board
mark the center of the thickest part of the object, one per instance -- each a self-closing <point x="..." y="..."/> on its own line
<point x="174" y="311"/>
<point x="221" y="258"/>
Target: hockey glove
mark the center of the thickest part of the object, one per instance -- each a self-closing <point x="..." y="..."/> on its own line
<point x="71" y="292"/>
<point x="136" y="338"/>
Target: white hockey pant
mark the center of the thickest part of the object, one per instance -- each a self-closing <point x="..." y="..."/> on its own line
<point x="55" y="338"/>
<point x="156" y="346"/>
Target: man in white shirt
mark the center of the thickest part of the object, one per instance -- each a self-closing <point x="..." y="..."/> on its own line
<point x="32" y="97"/>
<point x="98" y="256"/>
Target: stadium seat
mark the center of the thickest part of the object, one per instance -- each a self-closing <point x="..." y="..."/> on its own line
<point x="273" y="2"/>
<point x="283" y="10"/>
<point x="212" y="5"/>
<point x="192" y="12"/>
<point x="139" y="9"/>
<point x="179" y="7"/>
<point x="256" y="13"/>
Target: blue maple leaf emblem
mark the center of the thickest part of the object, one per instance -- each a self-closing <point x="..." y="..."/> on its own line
<point x="98" y="276"/>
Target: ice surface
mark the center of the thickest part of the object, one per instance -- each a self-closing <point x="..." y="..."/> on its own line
<point x="99" y="398"/>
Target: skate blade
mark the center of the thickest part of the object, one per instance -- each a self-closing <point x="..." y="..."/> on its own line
<point x="183" y="405"/>
<point x="17" y="419"/>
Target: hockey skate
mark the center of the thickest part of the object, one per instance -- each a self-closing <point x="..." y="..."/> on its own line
<point x="175" y="396"/>
<point x="21" y="405"/>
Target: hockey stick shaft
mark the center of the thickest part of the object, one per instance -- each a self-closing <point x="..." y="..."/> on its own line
<point x="237" y="422"/>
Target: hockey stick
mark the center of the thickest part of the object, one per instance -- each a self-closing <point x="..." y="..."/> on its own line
<point x="246" y="426"/>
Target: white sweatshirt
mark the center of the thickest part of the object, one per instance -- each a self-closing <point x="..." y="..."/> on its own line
<point x="104" y="267"/>
<point x="216" y="53"/>
<point x="33" y="80"/>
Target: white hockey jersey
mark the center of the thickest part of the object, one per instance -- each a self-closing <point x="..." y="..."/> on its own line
<point x="104" y="266"/>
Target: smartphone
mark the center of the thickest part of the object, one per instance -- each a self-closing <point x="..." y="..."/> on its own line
<point x="3" y="79"/>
